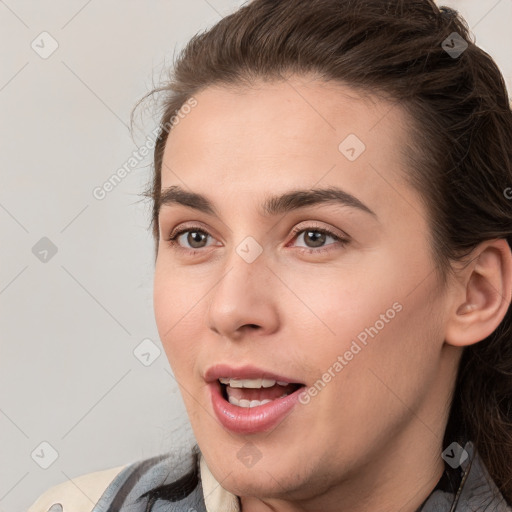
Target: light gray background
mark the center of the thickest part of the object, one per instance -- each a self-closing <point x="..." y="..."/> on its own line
<point x="69" y="326"/>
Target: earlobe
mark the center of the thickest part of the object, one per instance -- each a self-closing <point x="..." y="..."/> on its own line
<point x="482" y="301"/>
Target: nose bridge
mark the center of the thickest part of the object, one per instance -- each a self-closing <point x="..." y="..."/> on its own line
<point x="244" y="274"/>
<point x="242" y="295"/>
<point x="247" y="261"/>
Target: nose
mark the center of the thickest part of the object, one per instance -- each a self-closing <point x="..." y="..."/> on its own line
<point x="244" y="300"/>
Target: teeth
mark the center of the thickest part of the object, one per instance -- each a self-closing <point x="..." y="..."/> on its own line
<point x="247" y="403"/>
<point x="251" y="383"/>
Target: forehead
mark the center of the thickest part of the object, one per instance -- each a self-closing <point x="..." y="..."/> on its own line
<point x="292" y="131"/>
<point x="295" y="109"/>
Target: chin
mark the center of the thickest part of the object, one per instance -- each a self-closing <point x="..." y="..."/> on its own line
<point x="260" y="484"/>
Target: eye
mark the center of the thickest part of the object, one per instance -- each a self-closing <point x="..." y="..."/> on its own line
<point x="195" y="238"/>
<point x="317" y="236"/>
<point x="313" y="235"/>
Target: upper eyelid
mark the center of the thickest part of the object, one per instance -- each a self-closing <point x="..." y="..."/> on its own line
<point x="318" y="224"/>
<point x="181" y="228"/>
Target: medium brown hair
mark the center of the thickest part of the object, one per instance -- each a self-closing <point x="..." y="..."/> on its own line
<point x="459" y="152"/>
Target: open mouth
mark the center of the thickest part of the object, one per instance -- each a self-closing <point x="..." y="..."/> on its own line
<point x="249" y="393"/>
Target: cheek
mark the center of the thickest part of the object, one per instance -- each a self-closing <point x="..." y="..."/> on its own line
<point x="176" y="307"/>
<point x="177" y="294"/>
<point x="335" y="304"/>
<point x="385" y="363"/>
<point x="375" y="312"/>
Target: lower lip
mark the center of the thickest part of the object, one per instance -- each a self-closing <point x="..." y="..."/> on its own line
<point x="250" y="420"/>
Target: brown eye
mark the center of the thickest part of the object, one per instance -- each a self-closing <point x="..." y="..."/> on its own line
<point x="315" y="238"/>
<point x="194" y="240"/>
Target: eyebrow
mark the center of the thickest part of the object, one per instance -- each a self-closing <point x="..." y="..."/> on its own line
<point x="273" y="205"/>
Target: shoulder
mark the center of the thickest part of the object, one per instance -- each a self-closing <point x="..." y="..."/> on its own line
<point x="79" y="494"/>
<point x="169" y="477"/>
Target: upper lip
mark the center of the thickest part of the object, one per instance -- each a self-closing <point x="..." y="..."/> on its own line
<point x="244" y="372"/>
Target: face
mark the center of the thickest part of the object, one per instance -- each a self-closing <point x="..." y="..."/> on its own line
<point x="338" y="296"/>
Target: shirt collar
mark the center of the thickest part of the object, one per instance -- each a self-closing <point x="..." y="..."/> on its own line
<point x="216" y="498"/>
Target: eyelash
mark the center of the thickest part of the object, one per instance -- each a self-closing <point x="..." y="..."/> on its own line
<point x="172" y="240"/>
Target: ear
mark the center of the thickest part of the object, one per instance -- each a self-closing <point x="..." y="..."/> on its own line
<point x="482" y="294"/>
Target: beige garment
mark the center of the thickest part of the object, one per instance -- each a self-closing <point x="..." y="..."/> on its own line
<point x="216" y="498"/>
<point x="83" y="492"/>
<point x="77" y="495"/>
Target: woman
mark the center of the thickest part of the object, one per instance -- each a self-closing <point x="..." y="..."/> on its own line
<point x="332" y="213"/>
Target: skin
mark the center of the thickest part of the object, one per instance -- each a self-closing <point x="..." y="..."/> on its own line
<point x="371" y="440"/>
